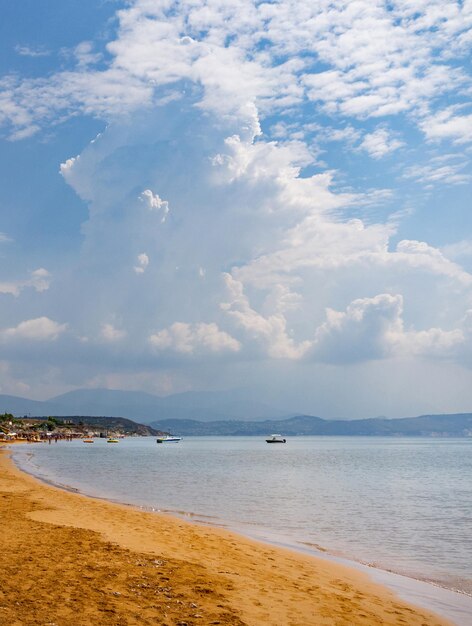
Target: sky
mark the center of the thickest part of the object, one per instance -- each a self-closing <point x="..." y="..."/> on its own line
<point x="266" y="196"/>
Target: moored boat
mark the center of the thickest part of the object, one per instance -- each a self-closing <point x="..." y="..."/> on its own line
<point x="112" y="440"/>
<point x="276" y="439"/>
<point x="168" y="439"/>
<point x="88" y="440"/>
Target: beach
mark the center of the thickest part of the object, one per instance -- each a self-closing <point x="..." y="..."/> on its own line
<point x="71" y="559"/>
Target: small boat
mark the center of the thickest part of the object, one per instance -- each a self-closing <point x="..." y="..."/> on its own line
<point x="168" y="439"/>
<point x="276" y="439"/>
<point x="112" y="440"/>
<point x="88" y="440"/>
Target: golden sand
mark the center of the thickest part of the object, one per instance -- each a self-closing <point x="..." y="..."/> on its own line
<point x="67" y="559"/>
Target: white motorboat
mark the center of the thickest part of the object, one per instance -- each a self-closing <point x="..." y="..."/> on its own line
<point x="168" y="439"/>
<point x="276" y="439"/>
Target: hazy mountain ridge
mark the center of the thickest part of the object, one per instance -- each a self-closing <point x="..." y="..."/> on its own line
<point x="146" y="407"/>
<point x="22" y="406"/>
<point x="225" y="413"/>
<point x="454" y="425"/>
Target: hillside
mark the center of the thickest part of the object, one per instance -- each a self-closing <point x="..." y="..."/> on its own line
<point x="116" y="424"/>
<point x="68" y="427"/>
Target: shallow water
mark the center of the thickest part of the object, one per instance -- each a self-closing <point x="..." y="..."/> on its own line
<point x="402" y="504"/>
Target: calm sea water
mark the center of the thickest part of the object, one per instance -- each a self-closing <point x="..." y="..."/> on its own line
<point x="401" y="504"/>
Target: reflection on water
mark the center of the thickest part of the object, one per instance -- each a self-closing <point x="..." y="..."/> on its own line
<point x="402" y="504"/>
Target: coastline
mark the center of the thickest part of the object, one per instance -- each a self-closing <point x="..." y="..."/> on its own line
<point x="117" y="564"/>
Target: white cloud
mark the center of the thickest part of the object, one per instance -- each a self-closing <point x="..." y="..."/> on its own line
<point x="240" y="207"/>
<point x="185" y="91"/>
<point x="12" y="288"/>
<point x="111" y="334"/>
<point x="28" y="105"/>
<point x="368" y="330"/>
<point x="27" y="51"/>
<point x="381" y="60"/>
<point x="373" y="329"/>
<point x="420" y="255"/>
<point x="191" y="338"/>
<point x="39" y="280"/>
<point x="85" y="55"/>
<point x="38" y="329"/>
<point x="314" y="244"/>
<point x="143" y="262"/>
<point x="154" y="203"/>
<point x="346" y="134"/>
<point x="448" y="124"/>
<point x="380" y="143"/>
<point x="434" y="342"/>
<point x="439" y="171"/>
<point x="24" y="133"/>
<point x="270" y="332"/>
<point x="278" y="167"/>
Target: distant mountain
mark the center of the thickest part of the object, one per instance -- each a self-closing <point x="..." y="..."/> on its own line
<point x="458" y="425"/>
<point x="22" y="406"/>
<point x="234" y="412"/>
<point x="146" y="407"/>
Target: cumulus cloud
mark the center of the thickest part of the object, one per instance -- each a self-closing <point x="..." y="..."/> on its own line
<point x="448" y="124"/>
<point x="39" y="280"/>
<point x="433" y="342"/>
<point x="38" y="329"/>
<point x="270" y="331"/>
<point x="143" y="262"/>
<point x="112" y="334"/>
<point x="373" y="329"/>
<point x="419" y="254"/>
<point x="263" y="239"/>
<point x="380" y="143"/>
<point x="191" y="338"/>
<point x="368" y="329"/>
<point x="154" y="203"/>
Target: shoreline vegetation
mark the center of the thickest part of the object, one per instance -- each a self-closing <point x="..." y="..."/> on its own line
<point x="40" y="429"/>
<point x="68" y="559"/>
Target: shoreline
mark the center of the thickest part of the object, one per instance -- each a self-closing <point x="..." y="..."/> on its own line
<point x="452" y="604"/>
<point x="211" y="575"/>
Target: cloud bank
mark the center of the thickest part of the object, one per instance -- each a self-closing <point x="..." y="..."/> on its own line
<point x="215" y="231"/>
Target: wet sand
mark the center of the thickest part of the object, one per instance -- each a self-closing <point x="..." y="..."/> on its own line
<point x="67" y="559"/>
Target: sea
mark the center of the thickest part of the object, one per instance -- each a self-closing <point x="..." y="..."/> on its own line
<point x="397" y="505"/>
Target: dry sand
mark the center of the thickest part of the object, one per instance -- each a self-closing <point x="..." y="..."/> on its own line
<point x="67" y="559"/>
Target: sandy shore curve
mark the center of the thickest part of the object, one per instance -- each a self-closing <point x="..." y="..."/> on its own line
<point x="67" y="559"/>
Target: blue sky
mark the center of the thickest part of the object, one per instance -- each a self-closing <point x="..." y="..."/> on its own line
<point x="205" y="195"/>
